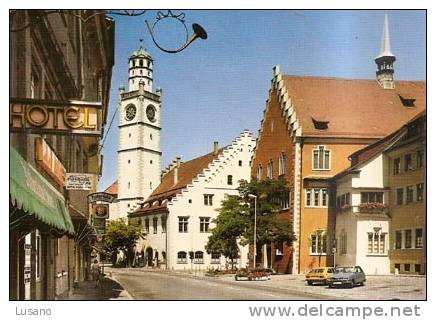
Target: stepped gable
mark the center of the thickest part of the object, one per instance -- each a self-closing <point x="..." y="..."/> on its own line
<point x="189" y="173"/>
<point x="344" y="108"/>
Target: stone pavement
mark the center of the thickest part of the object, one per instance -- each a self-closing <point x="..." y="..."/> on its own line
<point x="110" y="290"/>
<point x="377" y="287"/>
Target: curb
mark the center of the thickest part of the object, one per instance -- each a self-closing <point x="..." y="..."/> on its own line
<point x="127" y="293"/>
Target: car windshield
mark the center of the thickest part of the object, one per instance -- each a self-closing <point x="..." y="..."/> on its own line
<point x="344" y="270"/>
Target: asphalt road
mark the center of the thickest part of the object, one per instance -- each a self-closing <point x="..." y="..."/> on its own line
<point x="152" y="285"/>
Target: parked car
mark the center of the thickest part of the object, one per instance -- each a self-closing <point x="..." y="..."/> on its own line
<point x="319" y="275"/>
<point x="347" y="276"/>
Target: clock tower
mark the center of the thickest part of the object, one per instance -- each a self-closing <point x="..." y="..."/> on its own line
<point x="139" y="154"/>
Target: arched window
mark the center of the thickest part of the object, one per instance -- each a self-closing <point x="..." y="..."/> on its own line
<point x="215" y="257"/>
<point x="269" y="169"/>
<point x="198" y="257"/>
<point x="181" y="257"/>
<point x="259" y="172"/>
<point x="282" y="164"/>
<point x="141" y="63"/>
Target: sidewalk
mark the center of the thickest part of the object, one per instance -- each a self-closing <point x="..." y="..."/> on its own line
<point x="110" y="290"/>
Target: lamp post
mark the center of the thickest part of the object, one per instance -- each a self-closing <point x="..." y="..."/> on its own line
<point x="254" y="242"/>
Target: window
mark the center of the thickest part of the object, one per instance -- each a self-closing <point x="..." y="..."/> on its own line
<point x="376" y="242"/>
<point x="269" y="170"/>
<point x="154" y="225"/>
<point x="407" y="267"/>
<point x="400" y="196"/>
<point x="163" y="222"/>
<point x="420" y="159"/>
<point x="141" y="63"/>
<point x="128" y="161"/>
<point x="282" y="164"/>
<point x="321" y="159"/>
<point x="316" y="197"/>
<point x="318" y="243"/>
<point x="128" y="185"/>
<point x="38" y="255"/>
<point x="343" y="242"/>
<point x="147" y="225"/>
<point x="240" y="163"/>
<point x="198" y="257"/>
<point x="204" y="224"/>
<point x="259" y="172"/>
<point x="418" y="238"/>
<point x="284" y="202"/>
<point x="151" y="185"/>
<point x="409" y="194"/>
<point x="343" y="201"/>
<point x="229" y="179"/>
<point x="183" y="224"/>
<point x="408" y="162"/>
<point x="397" y="266"/>
<point x="419" y="192"/>
<point x="215" y="258"/>
<point x="208" y="199"/>
<point x="371" y="197"/>
<point x="417" y="268"/>
<point x="397" y="165"/>
<point x="398" y="239"/>
<point x="408" y="238"/>
<point x="181" y="257"/>
<point x="151" y="136"/>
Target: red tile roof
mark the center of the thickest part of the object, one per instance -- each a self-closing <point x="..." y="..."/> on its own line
<point x="353" y="108"/>
<point x="364" y="155"/>
<point x="187" y="171"/>
<point x="113" y="188"/>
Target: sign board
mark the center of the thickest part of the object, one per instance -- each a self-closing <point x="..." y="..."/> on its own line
<point x="62" y="117"/>
<point x="49" y="162"/>
<point x="79" y="181"/>
<point x="100" y="197"/>
<point x="100" y="211"/>
<point x="100" y="226"/>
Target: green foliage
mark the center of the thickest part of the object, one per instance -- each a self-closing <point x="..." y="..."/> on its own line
<point x="235" y="221"/>
<point x="121" y="236"/>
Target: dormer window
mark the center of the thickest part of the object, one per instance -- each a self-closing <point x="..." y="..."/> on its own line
<point x="320" y="124"/>
<point x="407" y="102"/>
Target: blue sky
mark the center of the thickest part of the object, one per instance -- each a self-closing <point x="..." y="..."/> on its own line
<point x="216" y="88"/>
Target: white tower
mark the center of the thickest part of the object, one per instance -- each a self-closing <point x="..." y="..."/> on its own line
<point x="139" y="154"/>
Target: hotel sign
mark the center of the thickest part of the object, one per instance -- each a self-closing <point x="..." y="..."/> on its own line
<point x="62" y="117"/>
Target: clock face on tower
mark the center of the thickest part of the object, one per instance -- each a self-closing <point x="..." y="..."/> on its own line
<point x="151" y="113"/>
<point x="130" y="112"/>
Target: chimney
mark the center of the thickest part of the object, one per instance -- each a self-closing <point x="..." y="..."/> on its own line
<point x="176" y="170"/>
<point x="215" y="148"/>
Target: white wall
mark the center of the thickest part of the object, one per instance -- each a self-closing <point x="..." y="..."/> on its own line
<point x="213" y="180"/>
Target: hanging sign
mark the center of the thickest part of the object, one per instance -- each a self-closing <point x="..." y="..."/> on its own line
<point x="79" y="181"/>
<point x="100" y="197"/>
<point x="100" y="211"/>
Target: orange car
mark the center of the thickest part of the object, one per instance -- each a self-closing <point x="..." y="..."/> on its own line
<point x="319" y="275"/>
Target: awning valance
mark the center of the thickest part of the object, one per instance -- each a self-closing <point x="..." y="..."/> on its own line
<point x="31" y="193"/>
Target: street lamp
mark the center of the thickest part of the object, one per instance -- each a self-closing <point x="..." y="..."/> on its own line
<point x="254" y="242"/>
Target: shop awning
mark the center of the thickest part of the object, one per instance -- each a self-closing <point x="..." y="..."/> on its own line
<point x="31" y="193"/>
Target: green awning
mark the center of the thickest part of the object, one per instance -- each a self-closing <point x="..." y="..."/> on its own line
<point x="31" y="192"/>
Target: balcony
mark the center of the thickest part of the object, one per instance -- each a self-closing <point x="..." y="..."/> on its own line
<point x="372" y="207"/>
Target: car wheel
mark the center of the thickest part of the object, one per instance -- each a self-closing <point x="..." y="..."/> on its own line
<point x="330" y="285"/>
<point x="310" y="283"/>
<point x="362" y="283"/>
<point x="352" y="284"/>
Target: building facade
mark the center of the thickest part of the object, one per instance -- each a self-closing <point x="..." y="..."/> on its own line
<point x="406" y="172"/>
<point x="316" y="123"/>
<point x="178" y="216"/>
<point x="60" y="71"/>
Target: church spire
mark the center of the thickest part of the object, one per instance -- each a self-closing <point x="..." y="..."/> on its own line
<point x="385" y="60"/>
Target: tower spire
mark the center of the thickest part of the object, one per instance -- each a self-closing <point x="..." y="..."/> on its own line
<point x="385" y="60"/>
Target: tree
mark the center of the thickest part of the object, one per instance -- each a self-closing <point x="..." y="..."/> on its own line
<point x="235" y="220"/>
<point x="121" y="236"/>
